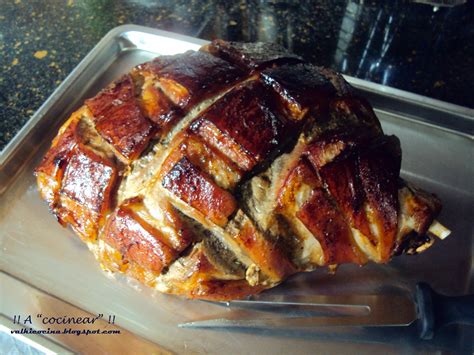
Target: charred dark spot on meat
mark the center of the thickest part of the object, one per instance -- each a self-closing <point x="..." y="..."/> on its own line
<point x="300" y="87"/>
<point x="154" y="66"/>
<point x="343" y="88"/>
<point x="413" y="244"/>
<point x="251" y="56"/>
<point x="195" y="77"/>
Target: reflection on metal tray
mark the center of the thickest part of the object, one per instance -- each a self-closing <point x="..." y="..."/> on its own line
<point x="437" y="148"/>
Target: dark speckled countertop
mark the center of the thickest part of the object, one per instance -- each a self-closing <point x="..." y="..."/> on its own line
<point x="411" y="46"/>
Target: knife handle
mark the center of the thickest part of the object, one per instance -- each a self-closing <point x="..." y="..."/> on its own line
<point x="435" y="311"/>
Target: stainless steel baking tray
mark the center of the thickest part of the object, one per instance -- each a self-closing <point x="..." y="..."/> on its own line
<point x="437" y="145"/>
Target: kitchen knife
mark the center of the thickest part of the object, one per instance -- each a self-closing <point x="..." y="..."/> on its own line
<point x="429" y="309"/>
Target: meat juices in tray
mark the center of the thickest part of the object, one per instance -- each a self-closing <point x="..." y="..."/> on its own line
<point x="216" y="174"/>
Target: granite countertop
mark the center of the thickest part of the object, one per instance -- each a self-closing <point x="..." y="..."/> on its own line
<point x="407" y="45"/>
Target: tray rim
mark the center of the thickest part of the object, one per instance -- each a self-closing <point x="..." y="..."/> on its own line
<point x="11" y="147"/>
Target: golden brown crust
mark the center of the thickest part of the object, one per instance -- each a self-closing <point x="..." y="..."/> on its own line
<point x="379" y="171"/>
<point x="119" y="120"/>
<point x="189" y="184"/>
<point x="86" y="192"/>
<point x="195" y="77"/>
<point x="266" y="254"/>
<point x="330" y="229"/>
<point x="344" y="184"/>
<point x="244" y="125"/>
<point x="204" y="280"/>
<point x="50" y="171"/>
<point x="137" y="240"/>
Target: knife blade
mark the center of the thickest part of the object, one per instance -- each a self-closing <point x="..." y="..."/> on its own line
<point x="428" y="308"/>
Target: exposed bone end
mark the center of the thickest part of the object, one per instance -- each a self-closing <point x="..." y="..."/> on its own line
<point x="439" y="230"/>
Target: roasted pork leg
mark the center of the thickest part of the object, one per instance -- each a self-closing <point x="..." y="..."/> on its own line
<point x="217" y="174"/>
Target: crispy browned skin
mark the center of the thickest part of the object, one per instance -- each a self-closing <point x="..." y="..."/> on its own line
<point x="118" y="118"/>
<point x="328" y="225"/>
<point x="154" y="66"/>
<point x="195" y="77"/>
<point x="154" y="103"/>
<point x="76" y="180"/>
<point x="379" y="169"/>
<point x="157" y="106"/>
<point x="266" y="254"/>
<point x="219" y="173"/>
<point x="344" y="184"/>
<point x="297" y="86"/>
<point x="330" y="228"/>
<point x="138" y="241"/>
<point x="244" y="125"/>
<point x="204" y="280"/>
<point x="89" y="180"/>
<point x="86" y="189"/>
<point x="172" y="85"/>
<point x="51" y="170"/>
<point x="206" y="158"/>
<point x="251" y="56"/>
<point x="189" y="184"/>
